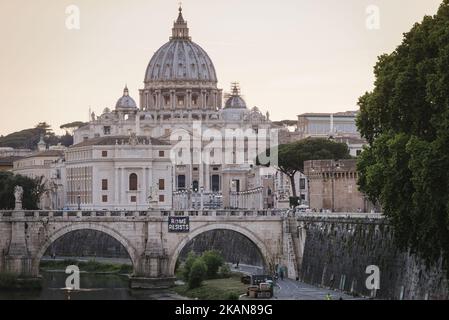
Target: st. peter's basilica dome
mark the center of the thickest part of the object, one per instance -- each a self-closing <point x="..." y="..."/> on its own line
<point x="180" y="59"/>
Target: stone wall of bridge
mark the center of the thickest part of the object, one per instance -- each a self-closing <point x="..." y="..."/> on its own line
<point x="335" y="252"/>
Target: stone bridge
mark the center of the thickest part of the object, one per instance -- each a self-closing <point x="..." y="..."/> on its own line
<point x="153" y="249"/>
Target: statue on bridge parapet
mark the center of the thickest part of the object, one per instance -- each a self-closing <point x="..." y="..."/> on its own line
<point x="18" y="194"/>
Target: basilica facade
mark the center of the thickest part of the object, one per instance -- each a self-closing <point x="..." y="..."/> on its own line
<point x="183" y="145"/>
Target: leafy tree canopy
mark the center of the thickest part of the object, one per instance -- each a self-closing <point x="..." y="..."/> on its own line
<point x="406" y="122"/>
<point x="32" y="191"/>
<point x="291" y="157"/>
<point x="29" y="138"/>
<point x="73" y="125"/>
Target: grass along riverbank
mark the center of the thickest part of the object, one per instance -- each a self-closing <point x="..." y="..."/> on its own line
<point x="215" y="289"/>
<point x="89" y="266"/>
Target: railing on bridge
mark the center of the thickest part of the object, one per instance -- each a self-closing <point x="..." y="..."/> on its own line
<point x="67" y="214"/>
<point x="75" y="214"/>
<point x="186" y="199"/>
<point x="350" y="215"/>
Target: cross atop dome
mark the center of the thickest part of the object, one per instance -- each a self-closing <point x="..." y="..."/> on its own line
<point x="180" y="29"/>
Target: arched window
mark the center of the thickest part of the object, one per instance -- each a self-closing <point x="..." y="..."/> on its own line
<point x="133" y="182"/>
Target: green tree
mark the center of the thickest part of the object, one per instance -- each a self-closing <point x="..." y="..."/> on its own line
<point x="32" y="191"/>
<point x="291" y="157"/>
<point x="72" y="126"/>
<point x="406" y="122"/>
<point x="29" y="138"/>
<point x="213" y="260"/>
<point x="191" y="258"/>
<point x="198" y="273"/>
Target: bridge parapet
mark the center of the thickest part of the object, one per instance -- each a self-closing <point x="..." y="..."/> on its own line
<point x="76" y="215"/>
<point x="344" y="215"/>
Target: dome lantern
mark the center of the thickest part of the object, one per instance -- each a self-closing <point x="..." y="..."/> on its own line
<point x="180" y="29"/>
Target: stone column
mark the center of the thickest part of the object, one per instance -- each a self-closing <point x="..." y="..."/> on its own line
<point x="172" y="99"/>
<point x="215" y="100"/>
<point x="158" y="99"/>
<point x="17" y="259"/>
<point x="203" y="99"/>
<point x="153" y="271"/>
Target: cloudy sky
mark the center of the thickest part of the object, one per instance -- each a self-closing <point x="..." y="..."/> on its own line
<point x="290" y="56"/>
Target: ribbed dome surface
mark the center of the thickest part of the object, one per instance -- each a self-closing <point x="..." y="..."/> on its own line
<point x="126" y="101"/>
<point x="181" y="59"/>
<point x="235" y="102"/>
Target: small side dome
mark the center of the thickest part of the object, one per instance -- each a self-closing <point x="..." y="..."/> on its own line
<point x="126" y="102"/>
<point x="235" y="101"/>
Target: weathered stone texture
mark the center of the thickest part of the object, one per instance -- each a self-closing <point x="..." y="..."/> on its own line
<point x="337" y="252"/>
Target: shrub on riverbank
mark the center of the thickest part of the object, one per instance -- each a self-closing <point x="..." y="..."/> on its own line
<point x="198" y="273"/>
<point x="185" y="271"/>
<point x="213" y="260"/>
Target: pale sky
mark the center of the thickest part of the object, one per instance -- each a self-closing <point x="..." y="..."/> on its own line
<point x="290" y="56"/>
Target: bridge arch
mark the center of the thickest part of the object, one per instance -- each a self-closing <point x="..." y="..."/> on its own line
<point x="132" y="252"/>
<point x="265" y="253"/>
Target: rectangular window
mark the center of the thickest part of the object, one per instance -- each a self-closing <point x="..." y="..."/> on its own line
<point x="181" y="182"/>
<point x="104" y="184"/>
<point x="161" y="198"/>
<point x="161" y="154"/>
<point x="104" y="154"/>
<point x="105" y="198"/>
<point x="107" y="130"/>
<point x="302" y="183"/>
<point x="215" y="183"/>
<point x="161" y="184"/>
<point x="133" y="199"/>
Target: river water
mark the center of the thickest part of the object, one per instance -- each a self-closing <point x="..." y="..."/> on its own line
<point x="93" y="287"/>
